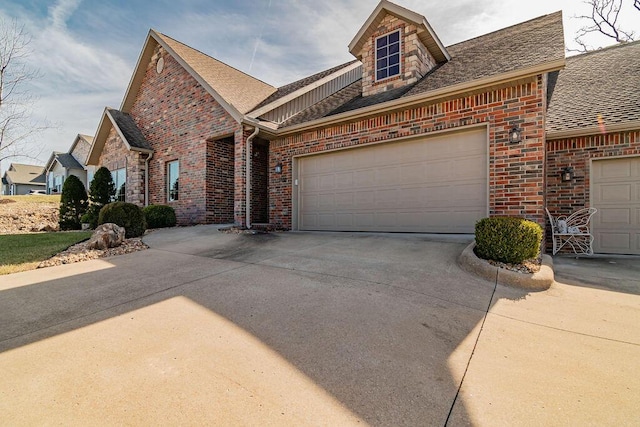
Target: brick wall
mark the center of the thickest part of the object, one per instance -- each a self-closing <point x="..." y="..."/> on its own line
<point x="116" y="155"/>
<point x="415" y="61"/>
<point x="177" y="116"/>
<point x="564" y="198"/>
<point x="220" y="179"/>
<point x="516" y="171"/>
<point x="260" y="182"/>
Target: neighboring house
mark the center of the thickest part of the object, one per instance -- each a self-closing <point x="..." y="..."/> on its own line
<point x="411" y="136"/>
<point x="61" y="165"/>
<point x="20" y="179"/>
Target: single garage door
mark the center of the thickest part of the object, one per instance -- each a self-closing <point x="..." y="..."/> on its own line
<point x="615" y="192"/>
<point x="433" y="185"/>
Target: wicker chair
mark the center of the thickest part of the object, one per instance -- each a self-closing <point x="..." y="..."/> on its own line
<point x="573" y="231"/>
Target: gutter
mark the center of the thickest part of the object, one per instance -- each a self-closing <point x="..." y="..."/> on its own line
<point x="146" y="179"/>
<point x="593" y="130"/>
<point x="248" y="160"/>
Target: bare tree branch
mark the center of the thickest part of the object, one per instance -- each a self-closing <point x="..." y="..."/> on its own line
<point x="17" y="129"/>
<point x="604" y="20"/>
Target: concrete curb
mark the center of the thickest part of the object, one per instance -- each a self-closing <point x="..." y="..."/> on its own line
<point x="540" y="281"/>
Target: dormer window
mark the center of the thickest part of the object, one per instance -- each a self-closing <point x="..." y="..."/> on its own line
<point x="388" y="55"/>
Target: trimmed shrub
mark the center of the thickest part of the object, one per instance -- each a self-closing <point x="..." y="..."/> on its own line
<point x="507" y="239"/>
<point x="125" y="215"/>
<point x="159" y="216"/>
<point x="101" y="191"/>
<point x="73" y="203"/>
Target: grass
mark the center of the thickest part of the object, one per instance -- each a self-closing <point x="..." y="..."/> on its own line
<point x="21" y="252"/>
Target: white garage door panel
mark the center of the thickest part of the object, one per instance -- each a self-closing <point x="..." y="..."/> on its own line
<point x="437" y="184"/>
<point x="616" y="195"/>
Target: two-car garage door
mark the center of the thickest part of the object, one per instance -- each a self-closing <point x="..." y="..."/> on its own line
<point x="435" y="185"/>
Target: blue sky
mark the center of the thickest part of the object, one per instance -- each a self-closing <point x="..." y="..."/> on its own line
<point x="85" y="50"/>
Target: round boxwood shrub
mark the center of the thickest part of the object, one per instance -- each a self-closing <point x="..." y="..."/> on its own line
<point x="73" y="203"/>
<point x="126" y="215"/>
<point x="159" y="216"/>
<point x="507" y="239"/>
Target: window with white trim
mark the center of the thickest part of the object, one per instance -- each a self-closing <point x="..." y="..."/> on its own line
<point x="388" y="55"/>
<point x="173" y="174"/>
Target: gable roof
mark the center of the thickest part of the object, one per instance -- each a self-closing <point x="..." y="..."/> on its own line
<point x="25" y="174"/>
<point x="426" y="34"/>
<point x="236" y="91"/>
<point x="604" y="83"/>
<point x="126" y="129"/>
<point x="68" y="161"/>
<point x="529" y="48"/>
<point x="80" y="139"/>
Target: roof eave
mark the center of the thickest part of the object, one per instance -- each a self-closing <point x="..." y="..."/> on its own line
<point x="632" y="125"/>
<point x="428" y="96"/>
<point x="98" y="140"/>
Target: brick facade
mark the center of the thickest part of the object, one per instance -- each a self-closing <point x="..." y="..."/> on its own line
<point x="178" y="117"/>
<point x="516" y="171"/>
<point x="260" y="182"/>
<point x="564" y="198"/>
<point x="416" y="61"/>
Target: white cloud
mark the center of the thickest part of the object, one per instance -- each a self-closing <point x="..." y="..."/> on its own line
<point x="61" y="11"/>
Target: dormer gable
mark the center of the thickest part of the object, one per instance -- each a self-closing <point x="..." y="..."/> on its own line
<point x="397" y="47"/>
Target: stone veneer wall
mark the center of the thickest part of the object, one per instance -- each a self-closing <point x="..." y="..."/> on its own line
<point x="416" y="61"/>
<point x="115" y="155"/>
<point x="516" y="171"/>
<point x="177" y="117"/>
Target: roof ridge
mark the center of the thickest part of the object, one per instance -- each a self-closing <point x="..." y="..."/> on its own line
<point x="505" y="28"/>
<point x="215" y="59"/>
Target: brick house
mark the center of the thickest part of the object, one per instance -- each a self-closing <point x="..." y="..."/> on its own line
<point x="411" y="136"/>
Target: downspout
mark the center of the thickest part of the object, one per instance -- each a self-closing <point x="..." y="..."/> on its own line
<point x="146" y="179"/>
<point x="248" y="160"/>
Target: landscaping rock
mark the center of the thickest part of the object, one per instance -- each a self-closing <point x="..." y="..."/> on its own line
<point x="25" y="217"/>
<point x="80" y="252"/>
<point x="106" y="236"/>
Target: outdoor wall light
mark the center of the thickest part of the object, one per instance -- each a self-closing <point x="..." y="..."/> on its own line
<point x="278" y="168"/>
<point x="567" y="174"/>
<point x="515" y="135"/>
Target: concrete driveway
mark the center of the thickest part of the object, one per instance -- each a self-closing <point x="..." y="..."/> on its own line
<point x="309" y="329"/>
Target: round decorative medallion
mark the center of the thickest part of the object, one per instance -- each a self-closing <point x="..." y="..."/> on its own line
<point x="160" y="65"/>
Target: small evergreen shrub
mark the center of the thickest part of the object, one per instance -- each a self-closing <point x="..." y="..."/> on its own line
<point x="160" y="216"/>
<point x="507" y="239"/>
<point x="73" y="203"/>
<point x="125" y="215"/>
<point x="101" y="191"/>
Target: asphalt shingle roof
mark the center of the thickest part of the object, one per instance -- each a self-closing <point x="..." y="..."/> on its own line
<point x="68" y="161"/>
<point x="534" y="42"/>
<point x="235" y="87"/>
<point x="129" y="129"/>
<point x="25" y="174"/>
<point x="603" y="83"/>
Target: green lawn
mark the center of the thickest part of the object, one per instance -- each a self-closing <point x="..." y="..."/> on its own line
<point x="20" y="252"/>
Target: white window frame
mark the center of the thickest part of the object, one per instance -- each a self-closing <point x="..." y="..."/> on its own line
<point x="171" y="196"/>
